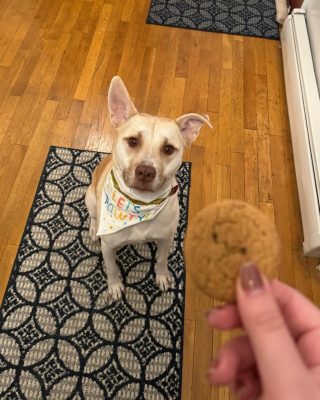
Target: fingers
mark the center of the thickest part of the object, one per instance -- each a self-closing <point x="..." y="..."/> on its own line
<point x="234" y="357"/>
<point x="309" y="347"/>
<point x="266" y="328"/>
<point x="224" y="318"/>
<point x="301" y="314"/>
<point x="235" y="367"/>
<point x="247" y="385"/>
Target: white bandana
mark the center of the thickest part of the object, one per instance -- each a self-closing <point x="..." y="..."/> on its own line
<point x="119" y="211"/>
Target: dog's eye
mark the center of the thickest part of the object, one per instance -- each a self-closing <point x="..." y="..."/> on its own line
<point x="168" y="149"/>
<point x="133" y="142"/>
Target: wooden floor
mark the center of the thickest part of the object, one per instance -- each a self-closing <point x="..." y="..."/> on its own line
<point x="56" y="61"/>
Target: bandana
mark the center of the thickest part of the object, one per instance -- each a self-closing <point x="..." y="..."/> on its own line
<point x="119" y="210"/>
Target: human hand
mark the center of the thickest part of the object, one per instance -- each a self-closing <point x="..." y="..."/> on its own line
<point x="279" y="356"/>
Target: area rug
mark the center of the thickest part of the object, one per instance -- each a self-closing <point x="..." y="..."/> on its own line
<point x="238" y="17"/>
<point x="61" y="337"/>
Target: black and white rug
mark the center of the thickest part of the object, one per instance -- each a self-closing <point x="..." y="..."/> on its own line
<point x="238" y="17"/>
<point x="61" y="337"/>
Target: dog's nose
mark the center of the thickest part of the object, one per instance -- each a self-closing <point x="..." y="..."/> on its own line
<point x="145" y="173"/>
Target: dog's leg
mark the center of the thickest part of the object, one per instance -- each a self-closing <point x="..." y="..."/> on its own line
<point x="91" y="203"/>
<point x="163" y="277"/>
<point x="115" y="285"/>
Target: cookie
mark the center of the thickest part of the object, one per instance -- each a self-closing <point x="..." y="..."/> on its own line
<point x="224" y="236"/>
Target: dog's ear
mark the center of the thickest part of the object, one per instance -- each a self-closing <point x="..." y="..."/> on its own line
<point x="190" y="125"/>
<point x="120" y="104"/>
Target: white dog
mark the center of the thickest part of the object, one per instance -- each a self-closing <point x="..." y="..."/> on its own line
<point x="133" y="194"/>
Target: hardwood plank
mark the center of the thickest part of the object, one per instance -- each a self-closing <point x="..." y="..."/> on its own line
<point x="25" y="73"/>
<point x="10" y="27"/>
<point x="176" y="97"/>
<point x="264" y="162"/>
<point x="145" y="78"/>
<point x="223" y="182"/>
<point x="167" y="94"/>
<point x="251" y="167"/>
<point x="215" y="73"/>
<point x="93" y="54"/>
<point x="216" y="344"/>
<point x="6" y="265"/>
<point x="128" y="11"/>
<point x="260" y="57"/>
<point x="202" y="355"/>
<point x="188" y="355"/>
<point x="237" y="176"/>
<point x="196" y="92"/>
<point x="293" y="198"/>
<point x="267" y="209"/>
<point x="250" y="119"/>
<point x="64" y="131"/>
<point x="15" y="42"/>
<point x="237" y="116"/>
<point x="210" y="138"/>
<point x="227" y="59"/>
<point x="281" y="208"/>
<point x="302" y="274"/>
<point x="195" y="203"/>
<point x="6" y="113"/>
<point x="10" y="75"/>
<point x="275" y="123"/>
<point x="35" y="154"/>
<point x="10" y="166"/>
<point x="132" y="55"/>
<point x="225" y="135"/>
<point x="183" y="55"/>
<point x="115" y="55"/>
<point x="275" y="81"/>
<point x="153" y="100"/>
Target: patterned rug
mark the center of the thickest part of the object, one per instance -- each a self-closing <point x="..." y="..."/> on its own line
<point x="61" y="337"/>
<point x="239" y="17"/>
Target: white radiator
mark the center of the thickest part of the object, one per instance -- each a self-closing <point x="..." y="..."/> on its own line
<point x="304" y="115"/>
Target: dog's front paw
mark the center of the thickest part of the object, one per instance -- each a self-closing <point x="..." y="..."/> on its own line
<point x="115" y="291"/>
<point x="164" y="281"/>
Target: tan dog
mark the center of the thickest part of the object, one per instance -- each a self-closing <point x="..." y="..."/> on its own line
<point x="132" y="197"/>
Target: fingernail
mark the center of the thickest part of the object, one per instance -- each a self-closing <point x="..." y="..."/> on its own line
<point x="251" y="280"/>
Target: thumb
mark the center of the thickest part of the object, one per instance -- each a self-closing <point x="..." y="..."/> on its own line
<point x="274" y="348"/>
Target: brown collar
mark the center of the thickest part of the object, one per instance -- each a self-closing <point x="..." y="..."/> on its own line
<point x="174" y="190"/>
<point x="135" y="201"/>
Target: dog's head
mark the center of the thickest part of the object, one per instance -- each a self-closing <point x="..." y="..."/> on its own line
<point x="148" y="150"/>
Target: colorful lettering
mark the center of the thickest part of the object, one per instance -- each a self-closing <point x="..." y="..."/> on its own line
<point x="120" y="202"/>
<point x="120" y="216"/>
<point x="110" y="208"/>
<point x="107" y="201"/>
<point x="129" y="203"/>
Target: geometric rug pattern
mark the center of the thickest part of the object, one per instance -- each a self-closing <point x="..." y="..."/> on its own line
<point x="238" y="17"/>
<point x="61" y="336"/>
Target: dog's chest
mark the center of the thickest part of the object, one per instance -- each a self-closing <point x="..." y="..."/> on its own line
<point x="161" y="227"/>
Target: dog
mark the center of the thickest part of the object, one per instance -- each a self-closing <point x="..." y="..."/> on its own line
<point x="133" y="194"/>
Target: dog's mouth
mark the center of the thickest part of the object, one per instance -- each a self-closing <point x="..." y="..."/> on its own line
<point x="142" y="187"/>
